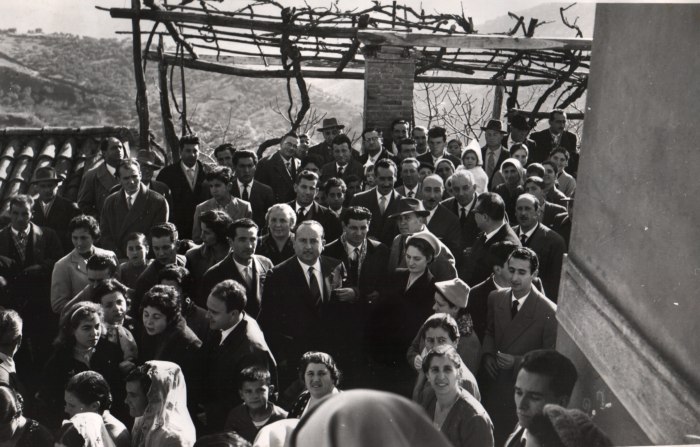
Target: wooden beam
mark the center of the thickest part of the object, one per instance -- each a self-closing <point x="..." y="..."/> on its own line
<point x="472" y="41"/>
<point x="141" y="92"/>
<point x="232" y="22"/>
<point x="217" y="67"/>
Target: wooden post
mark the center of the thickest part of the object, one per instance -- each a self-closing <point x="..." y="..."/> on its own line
<point x="497" y="102"/>
<point x="141" y="93"/>
<point x="171" y="139"/>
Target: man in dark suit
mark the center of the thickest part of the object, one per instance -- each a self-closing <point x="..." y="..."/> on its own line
<point x="490" y="212"/>
<point x="132" y="209"/>
<point x="53" y="211"/>
<point x="552" y="193"/>
<point x="279" y="170"/>
<point x="151" y="161"/>
<point x="548" y="245"/>
<point x="27" y="255"/>
<point x="373" y="148"/>
<point x="381" y="201"/>
<point x="520" y="319"/>
<point x="186" y="182"/>
<point x="97" y="183"/>
<point x="330" y="129"/>
<point x="545" y="377"/>
<point x="555" y="136"/>
<point x="260" y="196"/>
<point x="547" y="211"/>
<point x="410" y="178"/>
<point x="461" y="204"/>
<point x="437" y="142"/>
<point x="518" y="130"/>
<point x="241" y="264"/>
<point x="304" y="317"/>
<point x="236" y="342"/>
<point x="493" y="154"/>
<point x="365" y="261"/>
<point x="306" y="188"/>
<point x="441" y="222"/>
<point x="343" y="165"/>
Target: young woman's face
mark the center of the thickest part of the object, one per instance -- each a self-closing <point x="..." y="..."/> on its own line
<point x="416" y="261"/>
<point x="443" y="376"/>
<point x="521" y="156"/>
<point x="88" y="332"/>
<point x="74" y="405"/>
<point x="443" y="306"/>
<point x="154" y="321"/>
<point x="437" y="336"/>
<point x="136" y="251"/>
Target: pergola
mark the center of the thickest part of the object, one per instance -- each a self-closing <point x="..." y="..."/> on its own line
<point x="264" y="39"/>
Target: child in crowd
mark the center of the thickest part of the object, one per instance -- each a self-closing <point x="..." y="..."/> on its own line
<point x="256" y="411"/>
<point x="136" y="251"/>
<point x="112" y="296"/>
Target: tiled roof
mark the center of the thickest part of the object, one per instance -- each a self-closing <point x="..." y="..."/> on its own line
<point x="69" y="150"/>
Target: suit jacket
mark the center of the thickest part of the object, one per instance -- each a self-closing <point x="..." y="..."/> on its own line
<point x="184" y="196"/>
<point x="245" y="346"/>
<point x="353" y="167"/>
<point x="330" y="222"/>
<point x="382" y="155"/>
<point x="381" y="227"/>
<point x="427" y="159"/>
<point x="549" y="212"/>
<point x="236" y="209"/>
<point x="323" y="150"/>
<point x="550" y="248"/>
<point x="469" y="230"/>
<point x="568" y="140"/>
<point x="118" y="221"/>
<point x="467" y="423"/>
<point x="562" y="225"/>
<point x="159" y="187"/>
<point x="60" y="214"/>
<point x="372" y="272"/>
<point x="292" y="321"/>
<point x="501" y="158"/>
<point x="261" y="198"/>
<point x="272" y="172"/>
<point x="445" y="226"/>
<point x="69" y="277"/>
<point x="227" y="269"/>
<point x="442" y="267"/>
<point x="94" y="189"/>
<point x="403" y="191"/>
<point x="474" y="267"/>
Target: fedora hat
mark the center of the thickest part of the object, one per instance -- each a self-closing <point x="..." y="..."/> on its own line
<point x="496" y="125"/>
<point x="410" y="205"/>
<point x="45" y="175"/>
<point x="519" y="122"/>
<point x="330" y="123"/>
<point x="429" y="238"/>
<point x="455" y="291"/>
<point x="149" y="158"/>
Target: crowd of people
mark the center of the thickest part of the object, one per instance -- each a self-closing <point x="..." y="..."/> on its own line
<point x="303" y="299"/>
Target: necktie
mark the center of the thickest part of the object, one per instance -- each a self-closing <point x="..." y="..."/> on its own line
<point x="340" y="171"/>
<point x="410" y="194"/>
<point x="523" y="239"/>
<point x="382" y="204"/>
<point x="247" y="277"/>
<point x="514" y="309"/>
<point x="490" y="164"/>
<point x="462" y="215"/>
<point x="300" y="215"/>
<point x="244" y="194"/>
<point x="129" y="201"/>
<point x="190" y="176"/>
<point x="315" y="289"/>
<point x="355" y="265"/>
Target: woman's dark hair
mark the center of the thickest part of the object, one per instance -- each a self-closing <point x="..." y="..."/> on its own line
<point x="72" y="319"/>
<point x="136" y="236"/>
<point x="423" y="246"/>
<point x="165" y="299"/>
<point x="87" y="223"/>
<point x="444" y="321"/>
<point x="180" y="275"/>
<point x="140" y="375"/>
<point x="108" y="286"/>
<point x="321" y="358"/>
<point x="89" y="387"/>
<point x="447" y="351"/>
<point x="218" y="222"/>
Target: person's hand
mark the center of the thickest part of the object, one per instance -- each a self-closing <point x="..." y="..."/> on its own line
<point x="491" y="365"/>
<point x="6" y="262"/>
<point x="372" y="297"/>
<point x="418" y="363"/>
<point x="126" y="366"/>
<point x="345" y="295"/>
<point x="505" y="361"/>
<point x="3" y="281"/>
<point x="33" y="269"/>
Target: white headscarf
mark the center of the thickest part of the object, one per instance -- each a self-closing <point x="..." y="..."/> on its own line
<point x="92" y="429"/>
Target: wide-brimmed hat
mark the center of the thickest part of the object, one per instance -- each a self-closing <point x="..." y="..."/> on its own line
<point x="496" y="125"/>
<point x="519" y="122"/>
<point x="149" y="158"/>
<point x="45" y="175"/>
<point x="408" y="205"/>
<point x="429" y="238"/>
<point x="330" y="123"/>
<point x="455" y="291"/>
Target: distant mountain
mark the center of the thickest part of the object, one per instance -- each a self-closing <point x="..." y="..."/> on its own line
<point x="546" y="12"/>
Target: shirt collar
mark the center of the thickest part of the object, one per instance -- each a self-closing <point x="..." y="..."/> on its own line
<point x="468" y="206"/>
<point x="186" y="168"/>
<point x="17" y="233"/>
<point x="134" y="195"/>
<point x="305" y="267"/>
<point x="242" y="185"/>
<point x="529" y="233"/>
<point x="493" y="233"/>
<point x="9" y="361"/>
<point x="432" y="213"/>
<point x="305" y="208"/>
<point x="111" y="169"/>
<point x="520" y="301"/>
<point x="349" y="248"/>
<point x="388" y="196"/>
<point x="242" y="266"/>
<point x="225" y="333"/>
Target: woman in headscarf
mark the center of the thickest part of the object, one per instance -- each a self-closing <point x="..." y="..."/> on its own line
<point x="85" y="430"/>
<point x="157" y="397"/>
<point x="512" y="173"/>
<point x="361" y="418"/>
<point x="471" y="160"/>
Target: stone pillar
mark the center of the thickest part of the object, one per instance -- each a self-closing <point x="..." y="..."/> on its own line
<point x="389" y="75"/>
<point x="628" y="307"/>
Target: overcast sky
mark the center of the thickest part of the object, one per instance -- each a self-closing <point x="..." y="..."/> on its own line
<point x="81" y="17"/>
